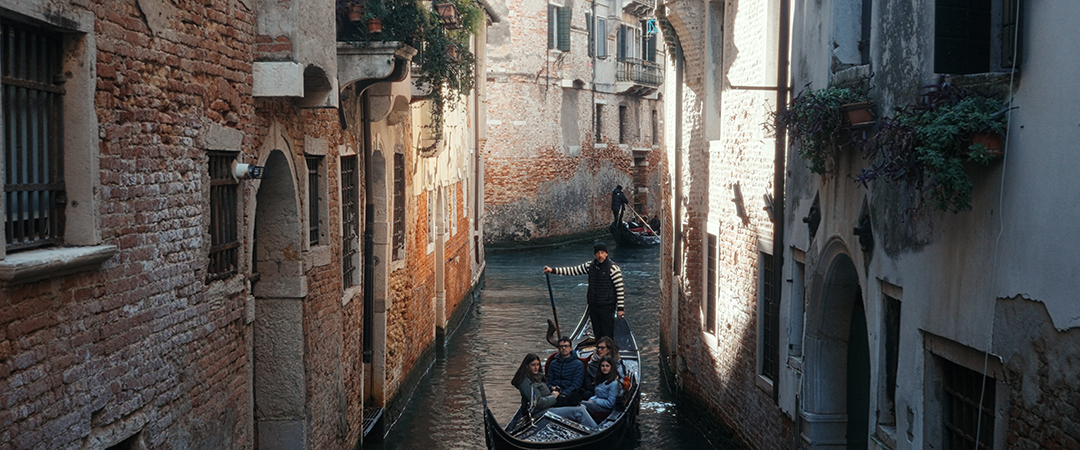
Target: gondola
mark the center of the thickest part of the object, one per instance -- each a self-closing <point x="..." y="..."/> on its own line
<point x="549" y="431"/>
<point x="625" y="236"/>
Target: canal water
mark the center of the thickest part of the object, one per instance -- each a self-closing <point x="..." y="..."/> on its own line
<point x="508" y="321"/>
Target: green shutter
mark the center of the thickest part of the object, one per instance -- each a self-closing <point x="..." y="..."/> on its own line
<point x="589" y="28"/>
<point x="621" y="43"/>
<point x="552" y="25"/>
<point x="1010" y="27"/>
<point x="564" y="28"/>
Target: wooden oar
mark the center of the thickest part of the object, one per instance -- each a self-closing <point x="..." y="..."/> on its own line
<point x="642" y="219"/>
<point x="555" y="313"/>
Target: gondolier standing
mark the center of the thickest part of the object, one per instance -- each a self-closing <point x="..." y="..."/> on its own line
<point x="618" y="204"/>
<point x="605" y="294"/>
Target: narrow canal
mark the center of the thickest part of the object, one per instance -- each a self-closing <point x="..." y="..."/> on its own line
<point x="508" y="321"/>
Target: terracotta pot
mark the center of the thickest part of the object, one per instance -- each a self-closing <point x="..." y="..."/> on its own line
<point x="857" y="115"/>
<point x="374" y="25"/>
<point x="993" y="142"/>
<point x="355" y="13"/>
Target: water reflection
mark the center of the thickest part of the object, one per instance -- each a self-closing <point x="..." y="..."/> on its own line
<point x="509" y="321"/>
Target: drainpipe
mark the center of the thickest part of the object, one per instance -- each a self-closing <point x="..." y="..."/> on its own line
<point x="783" y="47"/>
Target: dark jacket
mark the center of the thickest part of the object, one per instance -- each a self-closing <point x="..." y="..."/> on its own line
<point x="567" y="373"/>
<point x="535" y="393"/>
<point x="618" y="199"/>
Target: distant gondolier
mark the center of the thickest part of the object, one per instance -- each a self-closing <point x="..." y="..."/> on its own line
<point x="618" y="205"/>
<point x="605" y="294"/>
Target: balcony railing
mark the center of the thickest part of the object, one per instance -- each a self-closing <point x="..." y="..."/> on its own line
<point x="639" y="71"/>
<point x="639" y="8"/>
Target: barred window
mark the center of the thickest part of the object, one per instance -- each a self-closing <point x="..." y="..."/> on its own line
<point x="34" y="191"/>
<point x="224" y="241"/>
<point x="770" y="318"/>
<point x="350" y="221"/>
<point x="965" y="31"/>
<point x="968" y="423"/>
<point x="314" y="167"/>
<point x="710" y="287"/>
<point x="399" y="206"/>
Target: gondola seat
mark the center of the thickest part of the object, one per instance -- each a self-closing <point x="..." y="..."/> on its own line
<point x="599" y="416"/>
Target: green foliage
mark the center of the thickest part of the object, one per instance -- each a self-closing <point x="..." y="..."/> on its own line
<point x="813" y="119"/>
<point x="444" y="61"/>
<point x="927" y="145"/>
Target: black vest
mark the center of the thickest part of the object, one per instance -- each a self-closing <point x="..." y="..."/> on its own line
<point x="601" y="288"/>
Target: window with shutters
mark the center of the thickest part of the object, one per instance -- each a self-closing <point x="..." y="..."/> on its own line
<point x="769" y="314"/>
<point x="976" y="36"/>
<point x="33" y="176"/>
<point x="559" y="28"/>
<point x="710" y="287"/>
<point x="399" y="207"/>
<point x="316" y="201"/>
<point x="599" y="123"/>
<point x="601" y="38"/>
<point x="224" y="238"/>
<point x="648" y="43"/>
<point x="592" y="36"/>
<point x="622" y="124"/>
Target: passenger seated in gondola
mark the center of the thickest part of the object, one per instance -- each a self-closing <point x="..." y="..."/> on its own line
<point x="605" y="389"/>
<point x="537" y="398"/>
<point x="604" y="347"/>
<point x="566" y="374"/>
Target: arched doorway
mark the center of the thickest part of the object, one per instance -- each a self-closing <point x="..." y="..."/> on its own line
<point x="278" y="337"/>
<point x="836" y="391"/>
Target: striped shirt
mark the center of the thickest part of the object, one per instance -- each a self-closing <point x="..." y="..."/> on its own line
<point x="616" y="278"/>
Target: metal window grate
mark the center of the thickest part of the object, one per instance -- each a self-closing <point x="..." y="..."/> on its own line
<point x="399" y="206"/>
<point x="710" y="303"/>
<point x="224" y="243"/>
<point x="963" y="387"/>
<point x="313" y="163"/>
<point x="34" y="196"/>
<point x="770" y="326"/>
<point x="599" y="123"/>
<point x="350" y="211"/>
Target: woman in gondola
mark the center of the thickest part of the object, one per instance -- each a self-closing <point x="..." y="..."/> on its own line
<point x="605" y="389"/>
<point x="604" y="347"/>
<point x="537" y="398"/>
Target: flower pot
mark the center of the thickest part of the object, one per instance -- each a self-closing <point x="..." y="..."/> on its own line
<point x="448" y="13"/>
<point x="992" y="142"/>
<point x="374" y="25"/>
<point x="355" y="13"/>
<point x="857" y="115"/>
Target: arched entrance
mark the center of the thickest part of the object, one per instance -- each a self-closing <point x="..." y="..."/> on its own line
<point x="836" y="390"/>
<point x="278" y="337"/>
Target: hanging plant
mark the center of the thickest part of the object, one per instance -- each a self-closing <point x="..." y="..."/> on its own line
<point x="444" y="62"/>
<point x="926" y="145"/>
<point x="815" y="120"/>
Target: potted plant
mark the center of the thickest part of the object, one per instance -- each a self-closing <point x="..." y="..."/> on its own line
<point x="815" y="120"/>
<point x="448" y="13"/>
<point x="928" y="144"/>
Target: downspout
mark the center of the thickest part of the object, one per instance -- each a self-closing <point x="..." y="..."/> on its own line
<point x="677" y="219"/>
<point x="783" y="47"/>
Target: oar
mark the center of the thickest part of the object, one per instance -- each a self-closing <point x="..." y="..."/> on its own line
<point x="642" y="219"/>
<point x="553" y="311"/>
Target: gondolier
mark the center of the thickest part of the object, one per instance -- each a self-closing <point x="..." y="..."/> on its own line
<point x="618" y="204"/>
<point x="605" y="294"/>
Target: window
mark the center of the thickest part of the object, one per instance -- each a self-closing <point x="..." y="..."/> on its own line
<point x="34" y="189"/>
<point x="648" y="40"/>
<point x="622" y="124"/>
<point x="451" y="204"/>
<point x="559" y="28"/>
<point x="964" y="32"/>
<point x="591" y="32"/>
<point x="599" y="123"/>
<point x="601" y="38"/>
<point x="315" y="204"/>
<point x="892" y="357"/>
<point x="770" y="318"/>
<point x="710" y="287"/>
<point x="431" y="205"/>
<point x="964" y="419"/>
<point x="655" y="128"/>
<point x="224" y="241"/>
<point x="399" y="206"/>
<point x="350" y="221"/>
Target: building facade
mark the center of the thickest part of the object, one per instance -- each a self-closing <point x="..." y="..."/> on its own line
<point x="576" y="88"/>
<point x="889" y="323"/>
<point x="187" y="193"/>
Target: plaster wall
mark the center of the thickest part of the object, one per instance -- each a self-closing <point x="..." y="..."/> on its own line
<point x="954" y="270"/>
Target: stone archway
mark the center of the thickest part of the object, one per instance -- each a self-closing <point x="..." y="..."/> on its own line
<point x="278" y="342"/>
<point x="835" y="404"/>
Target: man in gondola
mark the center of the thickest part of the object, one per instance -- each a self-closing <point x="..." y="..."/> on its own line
<point x="605" y="294"/>
<point x="566" y="374"/>
<point x="618" y="204"/>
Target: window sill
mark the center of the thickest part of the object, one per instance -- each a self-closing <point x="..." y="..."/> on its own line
<point x="26" y="267"/>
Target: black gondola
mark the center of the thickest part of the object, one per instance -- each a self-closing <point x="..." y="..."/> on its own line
<point x="625" y="236"/>
<point x="549" y="431"/>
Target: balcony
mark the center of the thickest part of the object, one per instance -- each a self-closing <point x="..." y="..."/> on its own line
<point x="639" y="8"/>
<point x="638" y="77"/>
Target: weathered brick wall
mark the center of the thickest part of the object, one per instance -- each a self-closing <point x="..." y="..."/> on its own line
<point x="142" y="343"/>
<point x="723" y="183"/>
<point x="544" y="174"/>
